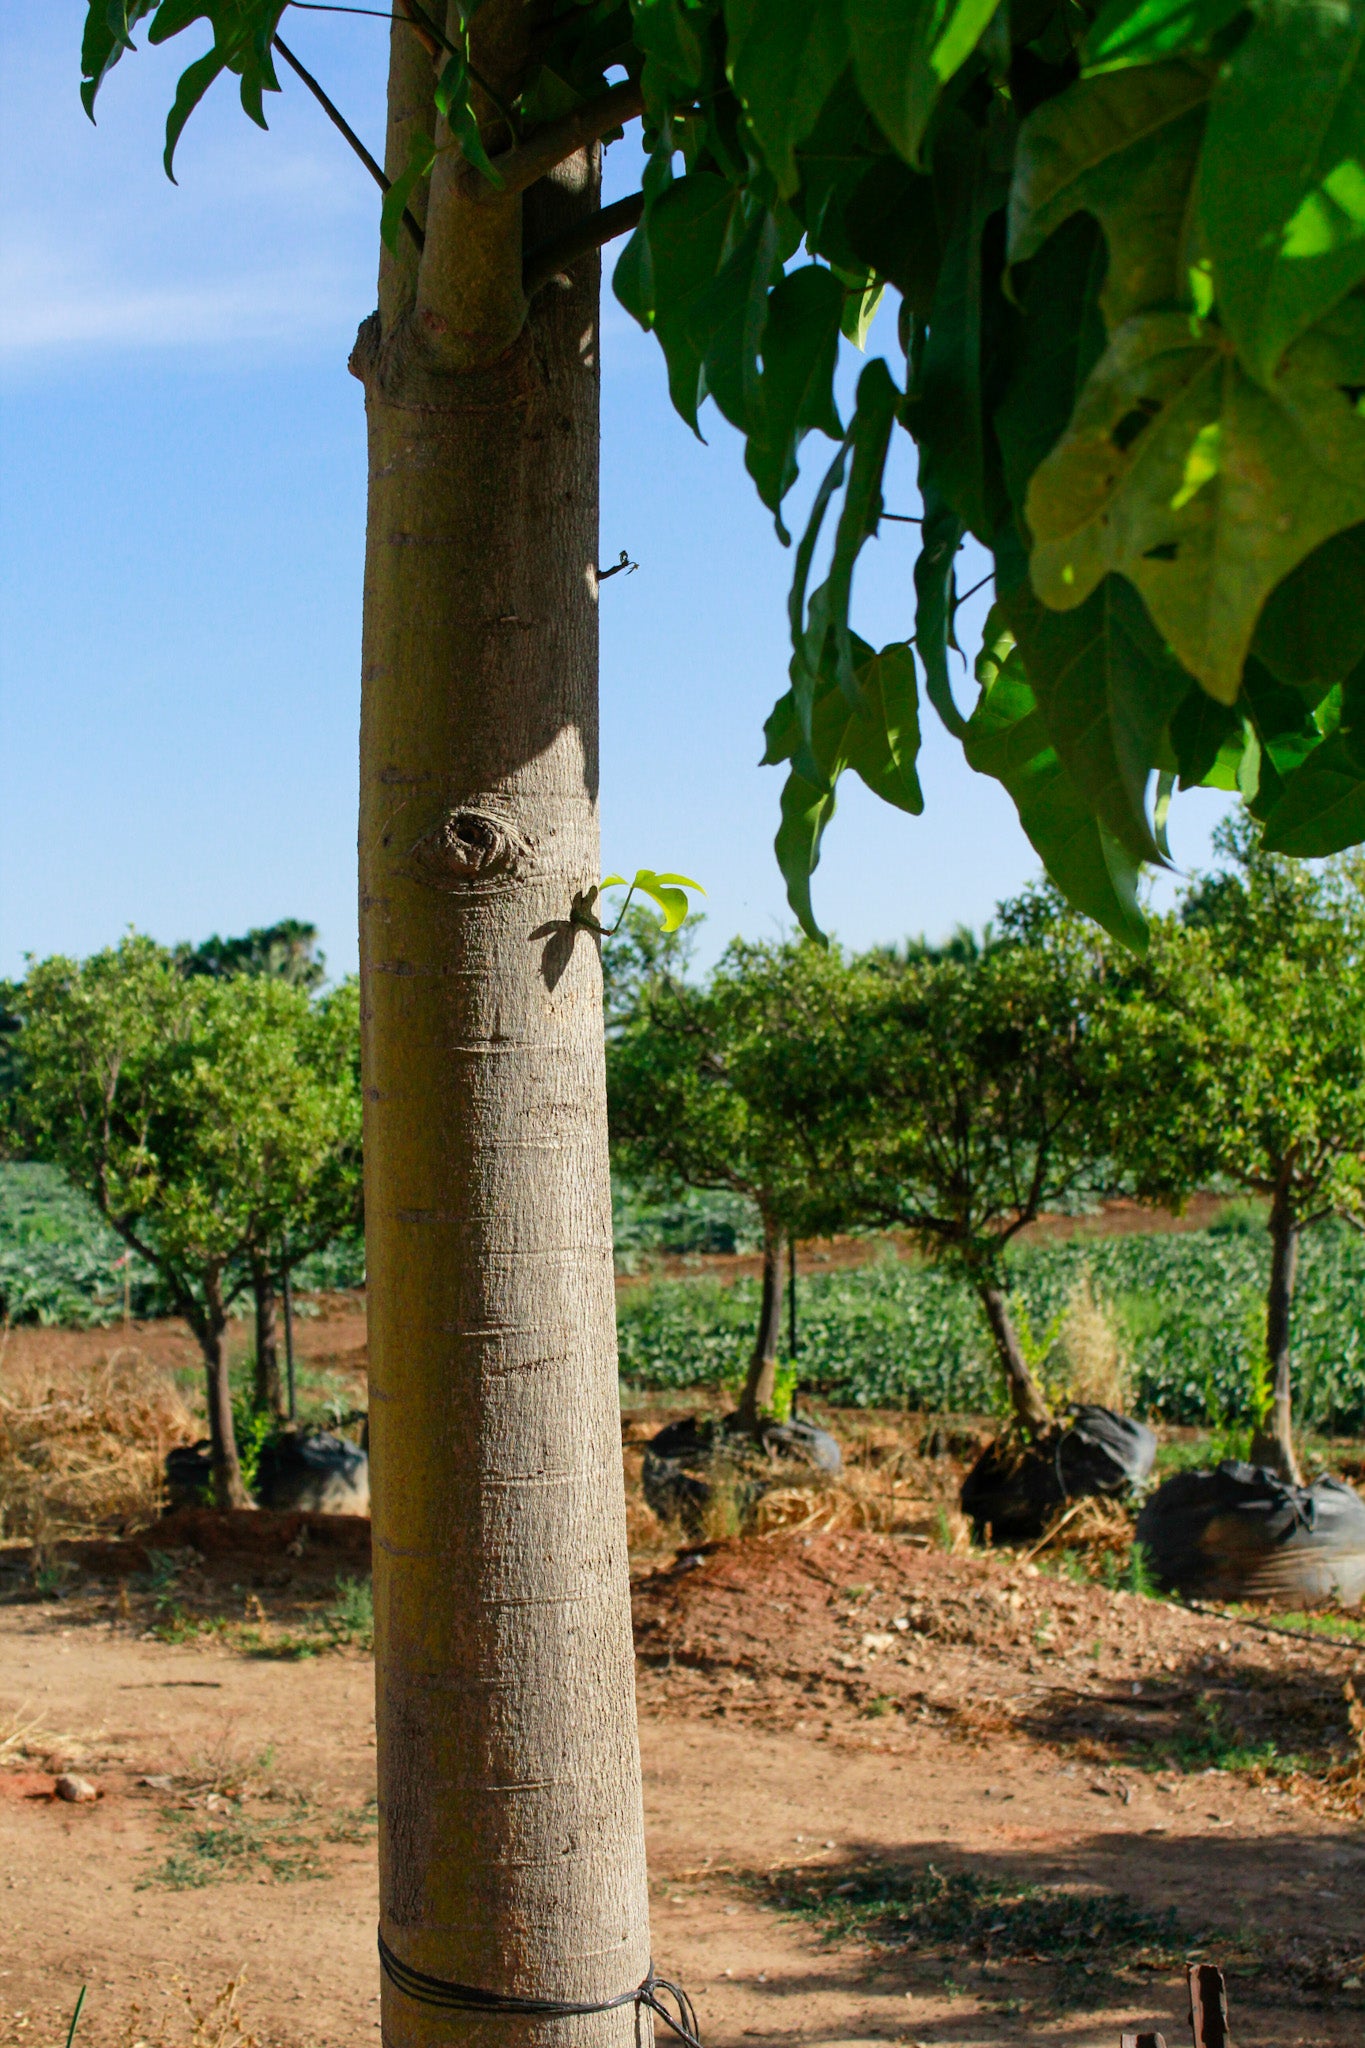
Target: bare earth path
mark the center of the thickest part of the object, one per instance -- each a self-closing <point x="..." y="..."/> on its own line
<point x="791" y="1733"/>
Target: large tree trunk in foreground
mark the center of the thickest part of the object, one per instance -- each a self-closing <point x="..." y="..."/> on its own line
<point x="757" y="1398"/>
<point x="266" y="1391"/>
<point x="1026" y="1401"/>
<point x="1273" y="1442"/>
<point x="511" y="1832"/>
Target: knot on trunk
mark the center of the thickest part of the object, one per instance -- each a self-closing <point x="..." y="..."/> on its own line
<point x="470" y="849"/>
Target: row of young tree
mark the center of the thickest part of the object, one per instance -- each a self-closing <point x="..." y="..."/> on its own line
<point x="958" y="1092"/>
<point x="207" y="1099"/>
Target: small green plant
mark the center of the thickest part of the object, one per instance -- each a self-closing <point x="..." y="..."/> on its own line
<point x="254" y="1428"/>
<point x="1141" y="1578"/>
<point x="51" y="1575"/>
<point x="1206" y="1741"/>
<point x="878" y="1707"/>
<point x="233" y="1849"/>
<point x="75" y="2017"/>
<point x="785" y="1382"/>
<point x="350" y="1618"/>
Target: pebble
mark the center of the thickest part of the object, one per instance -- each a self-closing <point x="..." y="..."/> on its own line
<point x="79" y="1790"/>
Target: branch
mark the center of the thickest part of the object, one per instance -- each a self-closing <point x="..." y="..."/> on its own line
<point x="531" y="160"/>
<point x="339" y="122"/>
<point x="549" y="259"/>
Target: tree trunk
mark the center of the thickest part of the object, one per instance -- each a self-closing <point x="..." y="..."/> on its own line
<point x="757" y="1398"/>
<point x="1030" y="1409"/>
<point x="1273" y="1446"/>
<point x="267" y="1391"/>
<point x="229" y="1489"/>
<point x="511" y="1829"/>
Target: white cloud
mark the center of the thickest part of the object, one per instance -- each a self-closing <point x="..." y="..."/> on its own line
<point x="51" y="300"/>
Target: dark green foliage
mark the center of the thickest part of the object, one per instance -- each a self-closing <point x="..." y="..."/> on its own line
<point x="287" y="950"/>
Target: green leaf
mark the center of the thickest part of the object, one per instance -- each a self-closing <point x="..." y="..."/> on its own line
<point x="108" y="27"/>
<point x="1322" y="810"/>
<point x="796" y="383"/>
<point x="1107" y="689"/>
<point x="940" y="537"/>
<point x="728" y="321"/>
<point x="881" y="739"/>
<point x="193" y="83"/>
<point x="1123" y="34"/>
<point x="1207" y="739"/>
<point x="1123" y="147"/>
<point x="690" y="227"/>
<point x="1282" y="179"/>
<point x="1007" y="739"/>
<point x="890" y="222"/>
<point x="669" y="892"/>
<point x="421" y="157"/>
<point x="1312" y="631"/>
<point x="1276" y="473"/>
<point x="806" y="810"/>
<point x="948" y="417"/>
<point x="878" y="738"/>
<point x="1060" y="339"/>
<point x="784" y="62"/>
<point x="870" y="432"/>
<point x="905" y="52"/>
<point x="452" y="103"/>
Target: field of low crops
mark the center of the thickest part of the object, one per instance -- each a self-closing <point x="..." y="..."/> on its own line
<point x="61" y="1263"/>
<point x="1186" y="1312"/>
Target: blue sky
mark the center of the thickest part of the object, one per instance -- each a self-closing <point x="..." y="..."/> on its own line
<point x="182" y="473"/>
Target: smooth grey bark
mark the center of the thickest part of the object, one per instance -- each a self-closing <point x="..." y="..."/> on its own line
<point x="511" y="1831"/>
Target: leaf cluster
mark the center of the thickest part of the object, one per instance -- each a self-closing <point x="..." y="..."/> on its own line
<point x="1128" y="242"/>
<point x="1125" y="243"/>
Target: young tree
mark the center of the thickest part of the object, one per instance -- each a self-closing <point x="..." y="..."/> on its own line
<point x="1247" y="1027"/>
<point x="975" y="1107"/>
<point x="198" y="1114"/>
<point x="287" y="950"/>
<point x="1160" y="447"/>
<point x="696" y="1084"/>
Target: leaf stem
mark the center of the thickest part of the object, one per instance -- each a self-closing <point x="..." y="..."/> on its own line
<point x="343" y="126"/>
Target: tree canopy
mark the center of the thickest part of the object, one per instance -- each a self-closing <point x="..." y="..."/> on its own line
<point x="1125" y="240"/>
<point x="208" y="1118"/>
<point x="1240" y="1054"/>
<point x="700" y="1086"/>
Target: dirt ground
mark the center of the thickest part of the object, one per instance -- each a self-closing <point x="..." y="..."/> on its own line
<point x="892" y="1793"/>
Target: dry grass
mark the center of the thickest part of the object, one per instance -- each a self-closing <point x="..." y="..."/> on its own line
<point x="1342" y="1788"/>
<point x="82" y="1448"/>
<point x="1088" y="1358"/>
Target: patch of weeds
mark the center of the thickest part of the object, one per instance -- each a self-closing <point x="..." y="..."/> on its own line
<point x="967" y="1915"/>
<point x="356" y="1826"/>
<point x="1336" y="1628"/>
<point x="51" y="1576"/>
<point x="878" y="1706"/>
<point x="350" y="1618"/>
<point x="1140" y="1577"/>
<point x="1205" y="1741"/>
<point x="231" y="1848"/>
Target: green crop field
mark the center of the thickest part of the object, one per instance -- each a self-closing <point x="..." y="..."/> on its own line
<point x="1188" y="1311"/>
<point x="60" y="1261"/>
